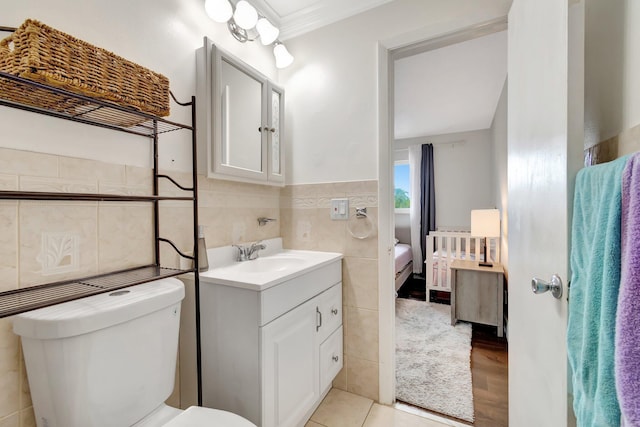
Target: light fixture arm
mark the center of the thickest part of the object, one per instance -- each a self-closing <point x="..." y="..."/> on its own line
<point x="238" y="33"/>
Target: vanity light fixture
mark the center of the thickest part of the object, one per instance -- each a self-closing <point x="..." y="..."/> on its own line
<point x="247" y="24"/>
<point x="246" y="16"/>
<point x="283" y="57"/>
<point x="218" y="10"/>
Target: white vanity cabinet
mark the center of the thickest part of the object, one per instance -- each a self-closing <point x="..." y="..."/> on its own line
<point x="271" y="354"/>
<point x="240" y="119"/>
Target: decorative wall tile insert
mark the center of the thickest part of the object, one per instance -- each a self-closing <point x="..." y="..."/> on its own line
<point x="60" y="252"/>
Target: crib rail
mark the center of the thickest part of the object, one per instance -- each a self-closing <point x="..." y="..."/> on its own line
<point x="445" y="246"/>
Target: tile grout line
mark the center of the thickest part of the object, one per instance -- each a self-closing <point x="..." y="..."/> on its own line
<point x="368" y="413"/>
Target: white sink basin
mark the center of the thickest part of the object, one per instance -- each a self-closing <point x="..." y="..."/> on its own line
<point x="272" y="263"/>
<point x="273" y="266"/>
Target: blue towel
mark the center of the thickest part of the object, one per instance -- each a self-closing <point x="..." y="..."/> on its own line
<point x="595" y="280"/>
<point x="628" y="320"/>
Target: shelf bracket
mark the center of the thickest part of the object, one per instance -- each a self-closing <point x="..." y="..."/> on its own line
<point x="183" y="255"/>
<point x="175" y="183"/>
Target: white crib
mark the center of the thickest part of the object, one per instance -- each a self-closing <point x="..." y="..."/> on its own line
<point x="445" y="246"/>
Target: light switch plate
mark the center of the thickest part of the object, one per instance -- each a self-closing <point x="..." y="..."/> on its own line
<point x="340" y="209"/>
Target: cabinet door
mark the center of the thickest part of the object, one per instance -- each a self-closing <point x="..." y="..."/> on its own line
<point x="331" y="359"/>
<point x="239" y="139"/>
<point x="290" y="366"/>
<point x="275" y="147"/>
<point x="330" y="306"/>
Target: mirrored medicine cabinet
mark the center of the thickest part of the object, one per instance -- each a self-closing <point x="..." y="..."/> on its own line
<point x="240" y="119"/>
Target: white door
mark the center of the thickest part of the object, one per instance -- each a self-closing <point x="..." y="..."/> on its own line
<point x="545" y="123"/>
<point x="290" y="368"/>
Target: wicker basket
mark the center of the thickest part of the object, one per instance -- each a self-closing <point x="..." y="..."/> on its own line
<point x="40" y="53"/>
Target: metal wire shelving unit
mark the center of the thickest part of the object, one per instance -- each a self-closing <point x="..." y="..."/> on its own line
<point x="24" y="94"/>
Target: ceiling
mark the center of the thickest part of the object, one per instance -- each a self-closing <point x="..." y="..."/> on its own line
<point x="451" y="89"/>
<point x="296" y="17"/>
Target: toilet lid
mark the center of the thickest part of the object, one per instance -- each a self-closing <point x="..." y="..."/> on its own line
<point x="196" y="416"/>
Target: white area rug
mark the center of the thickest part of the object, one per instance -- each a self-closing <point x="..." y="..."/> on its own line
<point x="433" y="359"/>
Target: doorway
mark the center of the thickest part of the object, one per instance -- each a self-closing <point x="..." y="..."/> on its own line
<point x="459" y="141"/>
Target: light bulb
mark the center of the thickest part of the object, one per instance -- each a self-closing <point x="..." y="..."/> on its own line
<point x="268" y="33"/>
<point x="283" y="57"/>
<point x="245" y="15"/>
<point x="218" y="10"/>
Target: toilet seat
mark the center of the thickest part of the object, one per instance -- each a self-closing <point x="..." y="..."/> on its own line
<point x="196" y="416"/>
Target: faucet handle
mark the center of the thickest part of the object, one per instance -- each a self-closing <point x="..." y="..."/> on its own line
<point x="242" y="252"/>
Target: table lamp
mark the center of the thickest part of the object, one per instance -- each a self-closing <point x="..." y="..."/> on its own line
<point x="485" y="223"/>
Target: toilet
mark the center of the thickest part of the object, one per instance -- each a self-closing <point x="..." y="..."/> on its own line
<point x="109" y="360"/>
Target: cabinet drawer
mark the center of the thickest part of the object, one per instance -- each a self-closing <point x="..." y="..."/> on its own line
<point x="281" y="298"/>
<point x="330" y="307"/>
<point x="330" y="359"/>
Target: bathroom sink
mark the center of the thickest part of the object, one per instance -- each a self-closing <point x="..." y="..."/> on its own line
<point x="269" y="264"/>
<point x="273" y="266"/>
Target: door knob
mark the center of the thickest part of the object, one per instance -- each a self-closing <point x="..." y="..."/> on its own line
<point x="539" y="286"/>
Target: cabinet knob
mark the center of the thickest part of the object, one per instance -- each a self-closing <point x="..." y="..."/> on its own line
<point x="335" y="358"/>
<point x="334" y="311"/>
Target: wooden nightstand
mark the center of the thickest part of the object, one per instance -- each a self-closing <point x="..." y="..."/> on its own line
<point x="477" y="293"/>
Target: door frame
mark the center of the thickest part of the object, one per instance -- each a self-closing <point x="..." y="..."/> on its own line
<point x="388" y="51"/>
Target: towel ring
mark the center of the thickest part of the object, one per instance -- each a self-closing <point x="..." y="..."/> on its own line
<point x="360" y="226"/>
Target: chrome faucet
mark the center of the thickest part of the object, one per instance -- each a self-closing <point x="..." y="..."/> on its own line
<point x="247" y="253"/>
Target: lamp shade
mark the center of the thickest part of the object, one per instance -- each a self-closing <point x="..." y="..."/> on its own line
<point x="485" y="223"/>
<point x="218" y="10"/>
<point x="246" y="16"/>
<point x="283" y="57"/>
<point x="268" y="33"/>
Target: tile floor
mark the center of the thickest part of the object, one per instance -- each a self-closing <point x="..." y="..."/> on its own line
<point x="342" y="409"/>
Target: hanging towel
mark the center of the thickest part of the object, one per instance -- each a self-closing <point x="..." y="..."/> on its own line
<point x="627" y="353"/>
<point x="595" y="280"/>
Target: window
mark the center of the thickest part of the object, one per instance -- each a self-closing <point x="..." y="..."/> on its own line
<point x="402" y="188"/>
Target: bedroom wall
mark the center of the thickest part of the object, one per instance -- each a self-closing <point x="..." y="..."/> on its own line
<point x="499" y="150"/>
<point x="463" y="174"/>
<point x="403" y="228"/>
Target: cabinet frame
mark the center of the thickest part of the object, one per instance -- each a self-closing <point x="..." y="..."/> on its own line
<point x="209" y="60"/>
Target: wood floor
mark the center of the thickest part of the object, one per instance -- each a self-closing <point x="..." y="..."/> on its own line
<point x="489" y="377"/>
<point x="489" y="365"/>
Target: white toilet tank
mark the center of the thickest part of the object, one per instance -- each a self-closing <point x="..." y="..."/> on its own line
<point x="106" y="360"/>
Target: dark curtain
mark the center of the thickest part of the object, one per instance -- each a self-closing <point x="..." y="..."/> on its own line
<point x="427" y="195"/>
